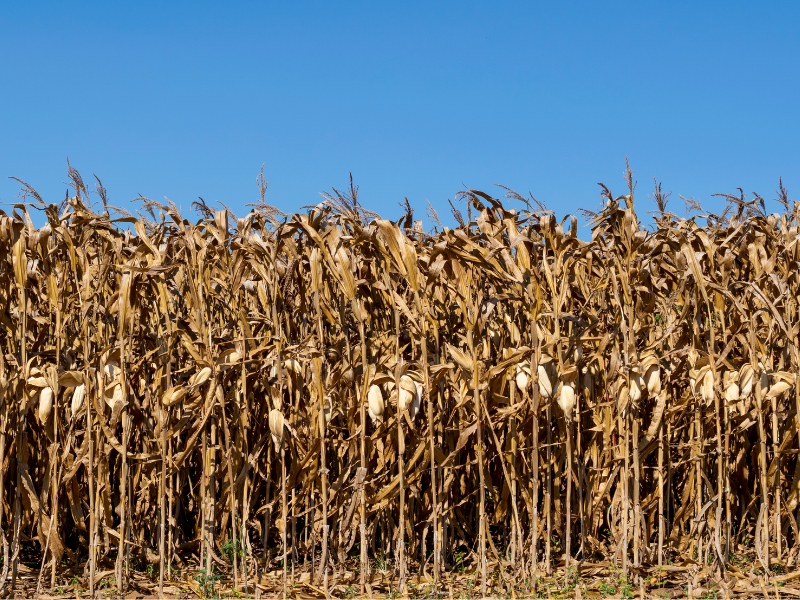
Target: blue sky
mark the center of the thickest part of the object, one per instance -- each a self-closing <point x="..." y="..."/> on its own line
<point x="187" y="99"/>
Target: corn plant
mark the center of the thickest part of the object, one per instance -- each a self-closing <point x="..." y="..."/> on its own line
<point x="293" y="385"/>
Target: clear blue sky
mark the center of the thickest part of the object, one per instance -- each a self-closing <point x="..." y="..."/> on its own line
<point x="187" y="99"/>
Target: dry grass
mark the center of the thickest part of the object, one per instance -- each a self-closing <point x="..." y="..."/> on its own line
<point x="223" y="396"/>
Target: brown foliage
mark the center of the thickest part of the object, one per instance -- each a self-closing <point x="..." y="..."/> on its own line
<point x="189" y="387"/>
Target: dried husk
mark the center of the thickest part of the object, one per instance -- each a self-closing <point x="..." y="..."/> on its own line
<point x="407" y="392"/>
<point x="708" y="387"/>
<point x="112" y="371"/>
<point x="545" y="382"/>
<point x="293" y="365"/>
<point x="173" y="396"/>
<point x="200" y="377"/>
<point x="77" y="398"/>
<point x="276" y="428"/>
<point x="652" y="377"/>
<point x="522" y="377"/>
<point x="731" y="383"/>
<point x="637" y="384"/>
<point x="566" y="399"/>
<point x="375" y="404"/>
<point x="45" y="404"/>
<point x="746" y="381"/>
<point x="417" y="401"/>
<point x="228" y="359"/>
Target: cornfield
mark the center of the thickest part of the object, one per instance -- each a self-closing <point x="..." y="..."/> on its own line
<point x="330" y="401"/>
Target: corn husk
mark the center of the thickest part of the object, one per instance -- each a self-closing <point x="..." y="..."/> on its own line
<point x="327" y="410"/>
<point x="417" y="402"/>
<point x="652" y="378"/>
<point x="636" y="386"/>
<point x="746" y="381"/>
<point x="701" y="380"/>
<point x="77" y="398"/>
<point x="200" y="377"/>
<point x="45" y="404"/>
<point x="113" y="395"/>
<point x="761" y="390"/>
<point x="731" y="383"/>
<point x="228" y="359"/>
<point x="522" y="377"/>
<point x="293" y="365"/>
<point x="407" y="392"/>
<point x="375" y="404"/>
<point x="276" y="428"/>
<point x="173" y="396"/>
<point x="707" y="390"/>
<point x="545" y="383"/>
<point x="348" y="375"/>
<point x="37" y="382"/>
<point x="782" y="382"/>
<point x="112" y="371"/>
<point x="70" y="379"/>
<point x="587" y="383"/>
<point x="566" y="399"/>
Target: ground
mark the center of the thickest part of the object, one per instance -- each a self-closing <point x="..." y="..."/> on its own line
<point x="581" y="580"/>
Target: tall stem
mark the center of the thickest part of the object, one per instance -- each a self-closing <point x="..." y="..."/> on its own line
<point x="323" y="568"/>
<point x="482" y="489"/>
<point x="534" y="444"/>
<point x="283" y="519"/>
<point x="162" y="483"/>
<point x="712" y="350"/>
<point x="123" y="494"/>
<point x="22" y="443"/>
<point x="762" y="455"/>
<point x="401" y="449"/>
<point x="427" y="394"/>
<point x="363" y="450"/>
<point x="661" y="492"/>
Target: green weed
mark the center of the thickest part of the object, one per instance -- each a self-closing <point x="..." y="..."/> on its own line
<point x="208" y="583"/>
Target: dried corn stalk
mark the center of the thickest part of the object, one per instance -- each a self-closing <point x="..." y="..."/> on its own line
<point x="179" y="349"/>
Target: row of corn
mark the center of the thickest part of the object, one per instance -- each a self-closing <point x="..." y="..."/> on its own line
<point x="329" y="391"/>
